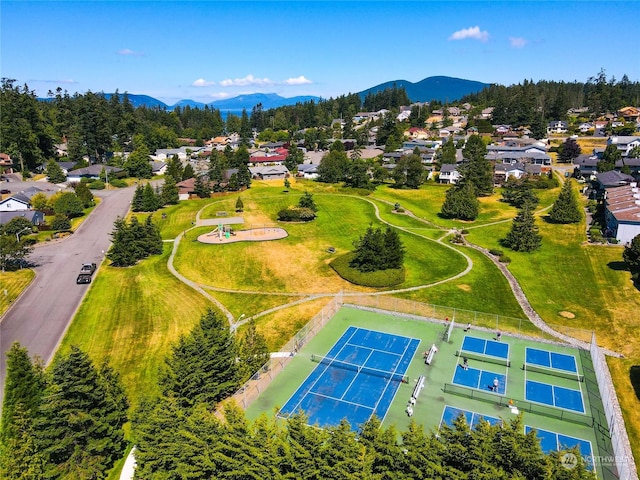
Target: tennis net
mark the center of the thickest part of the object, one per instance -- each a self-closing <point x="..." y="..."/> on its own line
<point x="484" y="358"/>
<point x="332" y="362"/>
<point x="447" y="334"/>
<point x="529" y="367"/>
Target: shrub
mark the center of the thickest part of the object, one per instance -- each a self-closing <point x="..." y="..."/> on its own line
<point x="504" y="259"/>
<point x="377" y="279"/>
<point x="118" y="183"/>
<point x="464" y="231"/>
<point x="296" y="214"/>
<point x="496" y="251"/>
<point x="96" y="185"/>
<point x="61" y="222"/>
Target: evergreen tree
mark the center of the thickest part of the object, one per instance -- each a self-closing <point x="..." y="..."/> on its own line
<point x="448" y="152"/>
<point x="523" y="236"/>
<point x="244" y="176"/>
<point x="54" y="172"/>
<point x="377" y="250"/>
<point x="518" y="193"/>
<point x="84" y="194"/>
<point x="566" y="209"/>
<point x="150" y="200"/>
<point x="60" y="222"/>
<point x="137" y="204"/>
<point x="24" y="384"/>
<point x="393" y="249"/>
<point x="461" y="203"/>
<point x="253" y="352"/>
<point x="174" y="168"/>
<point x="333" y="167"/>
<point x="477" y="170"/>
<point x="609" y="158"/>
<point x="188" y="172"/>
<point x="202" y="366"/>
<point x="79" y="428"/>
<point x="201" y="188"/>
<point x="631" y="257"/>
<point x="294" y="158"/>
<point x="357" y="175"/>
<point x="137" y="164"/>
<point x="123" y="248"/>
<point x="153" y="244"/>
<point x="239" y="205"/>
<point x="307" y="201"/>
<point x="170" y="193"/>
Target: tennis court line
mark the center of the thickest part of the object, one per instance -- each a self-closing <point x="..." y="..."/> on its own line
<point x="477" y="387"/>
<point x="560" y="448"/>
<point x="317" y="394"/>
<point x="394" y="371"/>
<point x="475" y="416"/>
<point x="312" y="372"/>
<point x="356" y="375"/>
<point x="553" y="396"/>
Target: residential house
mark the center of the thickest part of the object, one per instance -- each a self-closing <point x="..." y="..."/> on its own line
<point x="20" y="201"/>
<point x="264" y="158"/>
<point x="624" y="143"/>
<point x="557" y="126"/>
<point x="629" y="114"/>
<point x="93" y="172"/>
<point x="486" y="113"/>
<point x="532" y="154"/>
<point x="502" y="171"/>
<point x="416" y="133"/>
<point x="269" y="172"/>
<point x="6" y="164"/>
<point x="613" y="178"/>
<point x="66" y="166"/>
<point x="183" y="153"/>
<point x="587" y="165"/>
<point x="35" y="217"/>
<point x="622" y="212"/>
<point x="585" y="127"/>
<point x="449" y="174"/>
<point x="158" y="168"/>
<point x="308" y="170"/>
<point x="186" y="188"/>
<point x="502" y="130"/>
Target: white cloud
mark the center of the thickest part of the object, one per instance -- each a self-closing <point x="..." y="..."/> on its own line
<point x="248" y="80"/>
<point x="471" y="32"/>
<point x="126" y="51"/>
<point x="201" y="82"/>
<point x="67" y="81"/>
<point x="517" y="42"/>
<point x="301" y="80"/>
<point x="219" y="95"/>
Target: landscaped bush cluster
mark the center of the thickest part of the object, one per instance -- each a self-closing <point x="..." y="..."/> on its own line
<point x="496" y="251"/>
<point x="296" y="214"/>
<point x="96" y="185"/>
<point x="118" y="183"/>
<point x="377" y="279"/>
<point x="504" y="259"/>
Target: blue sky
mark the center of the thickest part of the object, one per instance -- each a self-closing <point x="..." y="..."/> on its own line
<point x="210" y="50"/>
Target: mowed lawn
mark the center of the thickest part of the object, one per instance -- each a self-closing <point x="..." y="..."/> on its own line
<point x="12" y="285"/>
<point x="300" y="262"/>
<point x="132" y="316"/>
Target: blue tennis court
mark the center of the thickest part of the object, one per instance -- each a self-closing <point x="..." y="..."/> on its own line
<point x="552" y="441"/>
<point x="554" y="395"/>
<point x="485" y="347"/>
<point x="357" y="378"/>
<point x="545" y="358"/>
<point x="480" y="379"/>
<point x="449" y="414"/>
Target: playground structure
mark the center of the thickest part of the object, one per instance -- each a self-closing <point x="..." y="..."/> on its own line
<point x="224" y="233"/>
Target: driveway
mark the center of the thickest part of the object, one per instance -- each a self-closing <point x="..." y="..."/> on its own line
<point x="41" y="316"/>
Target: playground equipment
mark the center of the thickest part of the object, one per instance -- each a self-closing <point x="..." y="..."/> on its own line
<point x="222" y="231"/>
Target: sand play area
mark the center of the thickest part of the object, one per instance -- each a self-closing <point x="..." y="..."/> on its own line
<point x="249" y="235"/>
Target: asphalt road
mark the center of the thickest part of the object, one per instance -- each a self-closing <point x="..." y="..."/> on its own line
<point x="40" y="317"/>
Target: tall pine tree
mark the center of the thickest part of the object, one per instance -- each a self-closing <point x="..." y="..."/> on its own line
<point x="566" y="208"/>
<point x="524" y="236"/>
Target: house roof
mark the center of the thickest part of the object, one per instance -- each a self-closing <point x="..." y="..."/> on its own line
<point x="308" y="168"/>
<point x="268" y="159"/>
<point x="269" y="170"/>
<point x="157" y="166"/>
<point x="32" y="215"/>
<point x="448" y="168"/>
<point x="18" y="197"/>
<point x="94" y="170"/>
<point x="624" y="203"/>
<point x="613" y="178"/>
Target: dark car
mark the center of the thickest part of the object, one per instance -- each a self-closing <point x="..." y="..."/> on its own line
<point x="88" y="268"/>
<point x="4" y="190"/>
<point x="83" y="278"/>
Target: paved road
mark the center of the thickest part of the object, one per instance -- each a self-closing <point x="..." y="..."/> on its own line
<point x="40" y="317"/>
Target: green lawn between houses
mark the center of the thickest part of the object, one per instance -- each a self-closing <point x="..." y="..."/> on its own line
<point x="154" y="308"/>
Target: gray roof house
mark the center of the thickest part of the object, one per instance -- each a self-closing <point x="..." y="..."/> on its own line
<point x="449" y="173"/>
<point x="308" y="170"/>
<point x="624" y="143"/>
<point x="93" y="172"/>
<point x="557" y="126"/>
<point x="269" y="172"/>
<point x="613" y="178"/>
<point x="35" y="217"/>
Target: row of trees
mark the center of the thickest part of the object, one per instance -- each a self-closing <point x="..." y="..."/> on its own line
<point x="66" y="422"/>
<point x="148" y="199"/>
<point x="378" y="250"/>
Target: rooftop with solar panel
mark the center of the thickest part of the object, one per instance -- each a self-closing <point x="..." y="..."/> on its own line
<point x="365" y="362"/>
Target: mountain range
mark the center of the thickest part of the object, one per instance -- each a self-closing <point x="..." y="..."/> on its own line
<point x="444" y="89"/>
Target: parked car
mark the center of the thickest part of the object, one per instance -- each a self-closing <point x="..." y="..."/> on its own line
<point x="83" y="278"/>
<point x="88" y="268"/>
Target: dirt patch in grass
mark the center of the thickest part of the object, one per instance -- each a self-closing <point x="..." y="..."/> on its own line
<point x="251" y="235"/>
<point x="464" y="287"/>
<point x="565" y="314"/>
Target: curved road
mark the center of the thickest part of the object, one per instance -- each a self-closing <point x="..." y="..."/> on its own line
<point x="39" y="318"/>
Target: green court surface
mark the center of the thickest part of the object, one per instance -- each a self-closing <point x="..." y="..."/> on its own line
<point x="435" y="396"/>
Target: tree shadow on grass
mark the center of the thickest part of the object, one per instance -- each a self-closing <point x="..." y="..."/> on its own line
<point x="618" y="266"/>
<point x="634" y="375"/>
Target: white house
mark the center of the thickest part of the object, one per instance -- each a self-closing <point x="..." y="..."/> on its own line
<point x="624" y="143"/>
<point x="449" y="174"/>
<point x="308" y="170"/>
<point x="16" y="203"/>
<point x="557" y="126"/>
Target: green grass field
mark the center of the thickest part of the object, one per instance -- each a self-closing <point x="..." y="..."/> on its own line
<point x="13" y="284"/>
